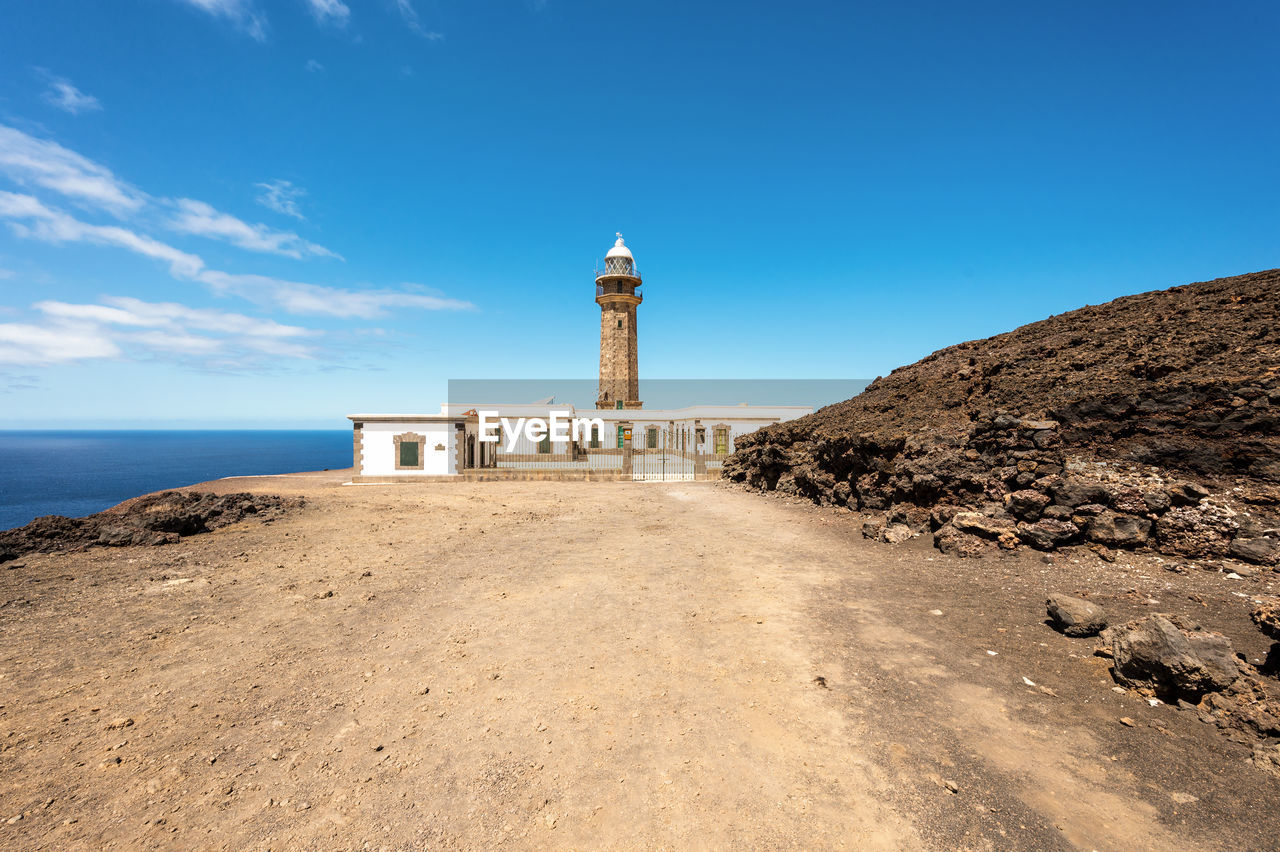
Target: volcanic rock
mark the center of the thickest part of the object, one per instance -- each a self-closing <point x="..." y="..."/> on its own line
<point x="1080" y="492"/>
<point x="977" y="523"/>
<point x="1075" y="616"/>
<point x="1267" y="617"/>
<point x="154" y="519"/>
<point x="950" y="540"/>
<point x="897" y="533"/>
<point x="1204" y="530"/>
<point x="1177" y="386"/>
<point x="1048" y="534"/>
<point x="1114" y="530"/>
<point x="1266" y="756"/>
<point x="1027" y="504"/>
<point x="1262" y="550"/>
<point x="1172" y="660"/>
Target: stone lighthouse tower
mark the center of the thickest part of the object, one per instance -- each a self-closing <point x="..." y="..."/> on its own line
<point x="618" y="295"/>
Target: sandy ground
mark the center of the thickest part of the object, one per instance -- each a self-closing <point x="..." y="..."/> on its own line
<point x="593" y="666"/>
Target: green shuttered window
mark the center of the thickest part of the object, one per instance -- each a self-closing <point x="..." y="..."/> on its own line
<point x="408" y="454"/>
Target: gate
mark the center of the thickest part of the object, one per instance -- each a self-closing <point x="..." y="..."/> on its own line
<point x="673" y="452"/>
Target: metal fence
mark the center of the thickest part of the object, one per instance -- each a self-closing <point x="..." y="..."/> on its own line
<point x="662" y="453"/>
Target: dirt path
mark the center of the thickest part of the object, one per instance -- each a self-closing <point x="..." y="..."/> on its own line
<point x="573" y="665"/>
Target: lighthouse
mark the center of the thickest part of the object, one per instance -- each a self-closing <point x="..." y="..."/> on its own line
<point x="618" y="295"/>
<point x="620" y="439"/>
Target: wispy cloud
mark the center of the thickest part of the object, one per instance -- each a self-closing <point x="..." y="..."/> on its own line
<point x="410" y="16"/>
<point x="282" y="197"/>
<point x="39" y="162"/>
<point x="296" y="297"/>
<point x="53" y="343"/>
<point x="128" y="311"/>
<point x="201" y="219"/>
<point x="241" y="13"/>
<point x="30" y="218"/>
<point x="14" y="382"/>
<point x="46" y="164"/>
<point x="127" y="327"/>
<point x="65" y="96"/>
<point x="313" y="66"/>
<point x="330" y="12"/>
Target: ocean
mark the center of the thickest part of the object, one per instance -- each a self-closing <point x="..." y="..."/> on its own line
<point x="81" y="472"/>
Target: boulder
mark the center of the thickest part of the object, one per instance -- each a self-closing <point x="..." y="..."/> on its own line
<point x="1266" y="756"/>
<point x="1045" y="439"/>
<point x="1262" y="550"/>
<point x="1267" y="617"/>
<point x="976" y="523"/>
<point x="1157" y="502"/>
<point x="1048" y="534"/>
<point x="950" y="540"/>
<point x="1078" y="492"/>
<point x="1247" y="705"/>
<point x="1156" y="653"/>
<point x="897" y="533"/>
<point x="1058" y="513"/>
<point x="1027" y="504"/>
<point x="1116" y="530"/>
<point x="1187" y="494"/>
<point x="1203" y="530"/>
<point x="1075" y="616"/>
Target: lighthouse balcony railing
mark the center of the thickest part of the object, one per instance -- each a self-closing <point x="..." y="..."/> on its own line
<point x="613" y="288"/>
<point x="610" y="269"/>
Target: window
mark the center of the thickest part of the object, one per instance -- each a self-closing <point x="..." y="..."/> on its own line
<point x="721" y="440"/>
<point x="651" y="437"/>
<point x="595" y="437"/>
<point x="544" y="446"/>
<point x="621" y="434"/>
<point x="408" y="450"/>
<point x="408" y="454"/>
<point x="619" y="323"/>
<point x="618" y="405"/>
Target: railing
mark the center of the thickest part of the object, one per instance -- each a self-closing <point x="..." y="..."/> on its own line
<point x="618" y="289"/>
<point x="611" y="269"/>
<point x="674" y="456"/>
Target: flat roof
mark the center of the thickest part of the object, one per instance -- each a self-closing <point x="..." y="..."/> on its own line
<point x="396" y="418"/>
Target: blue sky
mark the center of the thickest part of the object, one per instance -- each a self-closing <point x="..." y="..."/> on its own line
<point x="278" y="212"/>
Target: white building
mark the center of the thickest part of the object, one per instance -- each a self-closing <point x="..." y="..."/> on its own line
<point x="618" y="439"/>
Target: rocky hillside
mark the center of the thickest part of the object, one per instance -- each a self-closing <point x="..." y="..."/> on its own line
<point x="1152" y="421"/>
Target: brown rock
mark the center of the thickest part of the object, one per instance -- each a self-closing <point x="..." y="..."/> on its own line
<point x="1261" y="550"/>
<point x="976" y="523"/>
<point x="1075" y="616"/>
<point x="1157" y="653"/>
<point x="1116" y="530"/>
<point x="1027" y="504"/>
<point x="1048" y="534"/>
<point x="1204" y="530"/>
<point x="1267" y="617"/>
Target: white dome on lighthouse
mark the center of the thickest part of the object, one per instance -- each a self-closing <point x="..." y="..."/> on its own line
<point x="619" y="250"/>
